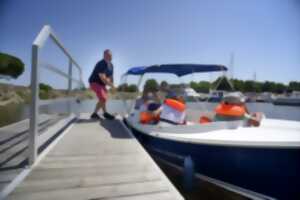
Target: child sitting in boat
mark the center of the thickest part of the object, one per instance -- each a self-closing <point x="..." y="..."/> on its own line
<point x="173" y="110"/>
<point x="148" y="106"/>
<point x="233" y="107"/>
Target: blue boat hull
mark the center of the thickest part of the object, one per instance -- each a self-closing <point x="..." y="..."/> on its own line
<point x="274" y="172"/>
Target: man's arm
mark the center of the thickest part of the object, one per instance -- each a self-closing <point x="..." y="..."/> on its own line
<point x="106" y="80"/>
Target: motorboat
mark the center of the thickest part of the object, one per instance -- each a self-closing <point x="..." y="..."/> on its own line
<point x="191" y="95"/>
<point x="216" y="95"/>
<point x="291" y="100"/>
<point x="258" y="162"/>
<point x="265" y="97"/>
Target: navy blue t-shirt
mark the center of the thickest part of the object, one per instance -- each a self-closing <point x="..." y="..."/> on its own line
<point x="101" y="68"/>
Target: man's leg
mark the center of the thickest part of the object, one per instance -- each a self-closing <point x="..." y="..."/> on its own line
<point x="96" y="88"/>
<point x="98" y="106"/>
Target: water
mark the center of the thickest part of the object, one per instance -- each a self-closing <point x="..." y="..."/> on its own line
<point x="14" y="113"/>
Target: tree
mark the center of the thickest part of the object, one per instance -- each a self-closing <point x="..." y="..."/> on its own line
<point x="268" y="86"/>
<point x="123" y="87"/>
<point x="151" y="84"/>
<point x="249" y="86"/>
<point x="202" y="86"/>
<point x="294" y="86"/>
<point x="280" y="88"/>
<point x="45" y="87"/>
<point x="238" y="85"/>
<point x="132" y="88"/>
<point x="10" y="65"/>
<point x="128" y="88"/>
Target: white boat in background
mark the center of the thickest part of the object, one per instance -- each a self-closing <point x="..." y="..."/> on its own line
<point x="191" y="95"/>
<point x="265" y="97"/>
<point x="291" y="100"/>
<point x="261" y="162"/>
<point x="216" y="95"/>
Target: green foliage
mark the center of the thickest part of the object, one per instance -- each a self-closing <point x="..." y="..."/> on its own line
<point x="132" y="88"/>
<point x="202" y="86"/>
<point x="249" y="86"/>
<point x="45" y="87"/>
<point x="10" y="65"/>
<point x="267" y="86"/>
<point x="294" y="86"/>
<point x="128" y="88"/>
<point x="151" y="85"/>
<point x="45" y="91"/>
<point x="238" y="85"/>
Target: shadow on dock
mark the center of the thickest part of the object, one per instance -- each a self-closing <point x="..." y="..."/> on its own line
<point x="115" y="129"/>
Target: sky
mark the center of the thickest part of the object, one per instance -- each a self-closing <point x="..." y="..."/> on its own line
<point x="263" y="35"/>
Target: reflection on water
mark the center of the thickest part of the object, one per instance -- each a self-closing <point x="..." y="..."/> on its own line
<point x="16" y="112"/>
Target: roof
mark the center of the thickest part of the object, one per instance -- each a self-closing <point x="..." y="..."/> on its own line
<point x="177" y="69"/>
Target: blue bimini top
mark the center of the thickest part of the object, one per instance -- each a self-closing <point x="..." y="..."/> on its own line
<point x="177" y="69"/>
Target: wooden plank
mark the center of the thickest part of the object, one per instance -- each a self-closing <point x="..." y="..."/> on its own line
<point x="3" y="185"/>
<point x="91" y="162"/>
<point x="89" y="157"/>
<point x="87" y="171"/>
<point x="149" y="196"/>
<point x="10" y="153"/>
<point x="9" y="175"/>
<point x="16" y="154"/>
<point x="13" y="130"/>
<point x="98" y="192"/>
<point x="16" y="161"/>
<point x="12" y="143"/>
<point x="73" y="182"/>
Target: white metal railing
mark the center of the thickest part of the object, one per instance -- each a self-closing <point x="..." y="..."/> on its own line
<point x="46" y="32"/>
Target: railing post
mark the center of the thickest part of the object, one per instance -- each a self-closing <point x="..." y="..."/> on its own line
<point x="34" y="112"/>
<point x="70" y="77"/>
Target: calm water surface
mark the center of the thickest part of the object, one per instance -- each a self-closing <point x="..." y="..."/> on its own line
<point x="14" y="113"/>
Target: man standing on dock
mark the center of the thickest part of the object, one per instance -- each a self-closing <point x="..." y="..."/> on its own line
<point x="102" y="76"/>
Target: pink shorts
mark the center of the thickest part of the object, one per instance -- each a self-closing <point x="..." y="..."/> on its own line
<point x="100" y="91"/>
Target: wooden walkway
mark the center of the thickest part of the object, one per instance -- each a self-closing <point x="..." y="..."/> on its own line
<point x="94" y="161"/>
<point x="14" y="145"/>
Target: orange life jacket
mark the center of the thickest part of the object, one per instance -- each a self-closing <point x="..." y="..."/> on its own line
<point x="177" y="105"/>
<point x="147" y="118"/>
<point x="230" y="110"/>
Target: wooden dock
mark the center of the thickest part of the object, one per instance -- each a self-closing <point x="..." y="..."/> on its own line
<point x="94" y="161"/>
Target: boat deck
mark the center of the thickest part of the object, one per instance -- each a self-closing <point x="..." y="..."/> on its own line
<point x="96" y="160"/>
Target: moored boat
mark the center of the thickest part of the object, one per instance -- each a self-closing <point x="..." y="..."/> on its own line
<point x="261" y="161"/>
<point x="291" y="100"/>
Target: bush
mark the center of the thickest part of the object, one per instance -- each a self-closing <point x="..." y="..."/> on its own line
<point x="202" y="86"/>
<point x="10" y="65"/>
<point x="45" y="87"/>
<point x="128" y="88"/>
<point x="151" y="85"/>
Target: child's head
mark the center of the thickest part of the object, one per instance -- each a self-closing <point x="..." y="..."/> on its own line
<point x="235" y="98"/>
